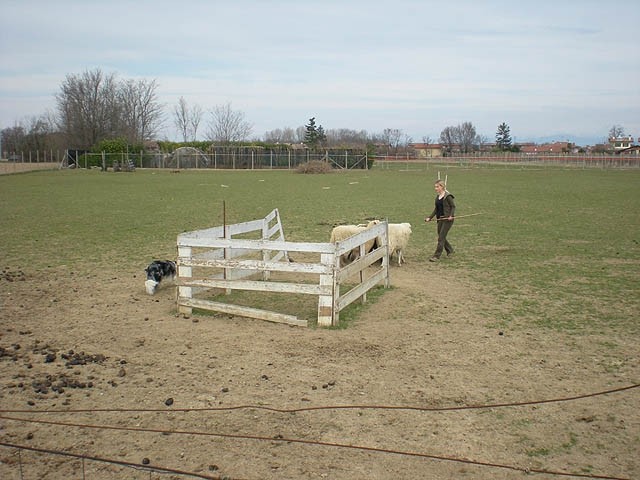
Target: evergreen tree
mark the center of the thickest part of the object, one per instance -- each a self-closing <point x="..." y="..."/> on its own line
<point x="321" y="135"/>
<point x="503" y="137"/>
<point x="313" y="135"/>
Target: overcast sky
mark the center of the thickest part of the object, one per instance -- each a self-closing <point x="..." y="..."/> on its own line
<point x="547" y="68"/>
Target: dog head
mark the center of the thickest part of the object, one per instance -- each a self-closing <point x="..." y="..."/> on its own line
<point x="156" y="272"/>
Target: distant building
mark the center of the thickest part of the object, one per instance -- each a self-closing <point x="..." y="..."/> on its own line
<point x="633" y="150"/>
<point x="427" y="150"/>
<point x="546" y="148"/>
<point x="620" y="143"/>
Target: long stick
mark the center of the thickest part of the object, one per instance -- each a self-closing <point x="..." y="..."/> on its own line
<point x="458" y="216"/>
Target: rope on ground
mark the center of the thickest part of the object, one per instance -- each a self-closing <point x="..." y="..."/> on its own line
<point x="149" y="468"/>
<point x="279" y="438"/>
<point x="329" y="407"/>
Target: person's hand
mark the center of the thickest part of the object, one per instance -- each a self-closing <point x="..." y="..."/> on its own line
<point x="450" y="217"/>
<point x="427" y="219"/>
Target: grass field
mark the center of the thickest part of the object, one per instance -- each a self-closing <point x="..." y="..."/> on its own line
<point x="533" y="321"/>
<point x="551" y="243"/>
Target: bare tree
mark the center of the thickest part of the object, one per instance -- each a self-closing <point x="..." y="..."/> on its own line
<point x="187" y="119"/>
<point x="39" y="132"/>
<point x="141" y="112"/>
<point x="127" y="98"/>
<point x="467" y="137"/>
<point x="392" y="137"/>
<point x="31" y="134"/>
<point x="228" y="125"/>
<point x="616" y="131"/>
<point x="95" y="106"/>
<point x="462" y="138"/>
<point x="344" y="137"/>
<point x="181" y="118"/>
<point x="285" y="135"/>
<point x="448" y="139"/>
<point x="13" y="138"/>
<point x="195" y="117"/>
<point x="88" y="108"/>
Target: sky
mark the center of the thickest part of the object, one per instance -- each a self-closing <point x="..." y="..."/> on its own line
<point x="551" y="70"/>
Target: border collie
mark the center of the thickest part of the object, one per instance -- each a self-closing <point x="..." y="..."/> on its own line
<point x="157" y="271"/>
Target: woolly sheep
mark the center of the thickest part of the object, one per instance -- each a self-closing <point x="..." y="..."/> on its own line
<point x="342" y="232"/>
<point x="399" y="234"/>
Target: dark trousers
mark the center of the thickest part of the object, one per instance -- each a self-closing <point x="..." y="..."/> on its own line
<point x="443" y="244"/>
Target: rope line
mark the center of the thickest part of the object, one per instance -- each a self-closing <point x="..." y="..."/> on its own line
<point x="317" y="443"/>
<point x="149" y="468"/>
<point x="330" y="407"/>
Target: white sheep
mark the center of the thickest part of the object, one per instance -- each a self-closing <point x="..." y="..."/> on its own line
<point x="342" y="232"/>
<point x="399" y="234"/>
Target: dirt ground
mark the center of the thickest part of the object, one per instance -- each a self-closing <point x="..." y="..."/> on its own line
<point x="122" y="377"/>
<point x="18" y="167"/>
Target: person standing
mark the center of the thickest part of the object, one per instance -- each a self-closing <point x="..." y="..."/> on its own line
<point x="444" y="212"/>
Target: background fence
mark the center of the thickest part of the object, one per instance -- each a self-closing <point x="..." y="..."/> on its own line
<point x="249" y="158"/>
<point x="236" y="159"/>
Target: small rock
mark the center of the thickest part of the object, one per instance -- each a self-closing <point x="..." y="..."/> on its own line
<point x="168" y="402"/>
<point x="146" y="461"/>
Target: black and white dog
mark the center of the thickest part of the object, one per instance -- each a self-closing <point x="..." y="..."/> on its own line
<point x="157" y="271"/>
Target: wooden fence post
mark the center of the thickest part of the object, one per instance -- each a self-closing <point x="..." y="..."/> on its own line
<point x="327" y="314"/>
<point x="184" y="272"/>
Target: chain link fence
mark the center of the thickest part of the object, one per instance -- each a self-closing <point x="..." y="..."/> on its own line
<point x="256" y="158"/>
<point x="237" y="159"/>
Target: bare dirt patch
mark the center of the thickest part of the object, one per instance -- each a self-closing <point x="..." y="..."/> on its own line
<point x="19" y="167"/>
<point x="97" y="345"/>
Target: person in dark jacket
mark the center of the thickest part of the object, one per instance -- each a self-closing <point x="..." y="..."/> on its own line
<point x="444" y="212"/>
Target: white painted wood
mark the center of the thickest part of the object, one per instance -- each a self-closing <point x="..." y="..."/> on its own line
<point x="261" y="286"/>
<point x="258" y="245"/>
<point x="360" y="264"/>
<point x="356" y="240"/>
<point x="259" y="265"/>
<point x="326" y="311"/>
<point x="359" y="290"/>
<point x="184" y="271"/>
<point x="244" y="311"/>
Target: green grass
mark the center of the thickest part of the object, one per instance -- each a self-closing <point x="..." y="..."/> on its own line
<point x="303" y="306"/>
<point x="565" y="447"/>
<point x="556" y="248"/>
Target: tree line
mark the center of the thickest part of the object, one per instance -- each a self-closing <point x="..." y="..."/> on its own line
<point x="94" y="108"/>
